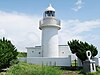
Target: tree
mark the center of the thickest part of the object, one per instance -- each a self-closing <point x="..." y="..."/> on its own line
<point x="22" y="54"/>
<point x="8" y="52"/>
<point x="79" y="48"/>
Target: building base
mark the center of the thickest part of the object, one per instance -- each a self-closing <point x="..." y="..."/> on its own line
<point x="59" y="61"/>
<point x="89" y="66"/>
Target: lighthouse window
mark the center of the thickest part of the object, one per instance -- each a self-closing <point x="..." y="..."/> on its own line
<point x="62" y="52"/>
<point x="39" y="52"/>
<point x="49" y="13"/>
<point x="53" y="13"/>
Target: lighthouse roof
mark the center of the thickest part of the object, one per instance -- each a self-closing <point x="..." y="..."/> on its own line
<point x="50" y="8"/>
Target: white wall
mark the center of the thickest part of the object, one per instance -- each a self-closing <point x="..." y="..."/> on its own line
<point x="50" y="61"/>
<point x="64" y="51"/>
<point x="50" y="41"/>
<point x="79" y="62"/>
<point x="49" y="21"/>
<point x="97" y="61"/>
<point x="34" y="51"/>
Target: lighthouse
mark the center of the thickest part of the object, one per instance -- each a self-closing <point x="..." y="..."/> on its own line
<point x="49" y="26"/>
<point x="49" y="52"/>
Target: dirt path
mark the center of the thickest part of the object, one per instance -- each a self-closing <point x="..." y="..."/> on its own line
<point x="71" y="73"/>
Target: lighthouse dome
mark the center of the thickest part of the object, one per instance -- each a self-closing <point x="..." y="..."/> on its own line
<point x="49" y="12"/>
<point x="50" y="8"/>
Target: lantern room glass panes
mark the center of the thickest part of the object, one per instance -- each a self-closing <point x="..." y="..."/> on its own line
<point x="49" y="13"/>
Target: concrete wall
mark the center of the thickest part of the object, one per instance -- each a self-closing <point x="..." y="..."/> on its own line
<point x="34" y="51"/>
<point x="79" y="63"/>
<point x="50" y="61"/>
<point x="64" y="51"/>
<point x="97" y="61"/>
<point x="24" y="59"/>
<point x="49" y="21"/>
<point x="50" y="41"/>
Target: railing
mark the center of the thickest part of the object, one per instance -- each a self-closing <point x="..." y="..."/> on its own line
<point x="49" y="21"/>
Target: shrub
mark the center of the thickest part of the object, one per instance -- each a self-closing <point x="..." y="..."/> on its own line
<point x="98" y="69"/>
<point x="14" y="61"/>
<point x="8" y="52"/>
<point x="22" y="54"/>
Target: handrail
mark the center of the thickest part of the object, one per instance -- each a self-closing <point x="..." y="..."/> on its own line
<point x="48" y="21"/>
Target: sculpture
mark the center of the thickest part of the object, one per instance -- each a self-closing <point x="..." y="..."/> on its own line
<point x="89" y="65"/>
<point x="88" y="54"/>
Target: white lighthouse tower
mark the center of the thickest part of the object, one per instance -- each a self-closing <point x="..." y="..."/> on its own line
<point x="50" y="26"/>
<point x="49" y="53"/>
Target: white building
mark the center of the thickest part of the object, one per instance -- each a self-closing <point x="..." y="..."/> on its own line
<point x="50" y="53"/>
<point x="37" y="51"/>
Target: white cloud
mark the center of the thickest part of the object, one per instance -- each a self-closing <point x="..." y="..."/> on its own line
<point x="82" y="30"/>
<point x="78" y="5"/>
<point x="20" y="29"/>
<point x="23" y="30"/>
<point x="78" y="26"/>
<point x="2" y="32"/>
<point x="75" y="29"/>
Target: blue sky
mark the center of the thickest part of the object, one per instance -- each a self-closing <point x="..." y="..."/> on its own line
<point x="80" y="20"/>
<point x="90" y="8"/>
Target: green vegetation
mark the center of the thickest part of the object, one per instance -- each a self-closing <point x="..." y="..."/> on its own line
<point x="94" y="73"/>
<point x="74" y="63"/>
<point x="79" y="72"/>
<point x="79" y="48"/>
<point x="29" y="69"/>
<point x="8" y="53"/>
<point x="22" y="54"/>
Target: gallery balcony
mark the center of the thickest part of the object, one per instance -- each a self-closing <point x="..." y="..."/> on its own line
<point x="49" y="21"/>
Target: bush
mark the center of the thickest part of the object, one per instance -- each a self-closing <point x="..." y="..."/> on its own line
<point x="8" y="52"/>
<point x="14" y="61"/>
<point x="29" y="69"/>
<point x="98" y="69"/>
<point x="22" y="54"/>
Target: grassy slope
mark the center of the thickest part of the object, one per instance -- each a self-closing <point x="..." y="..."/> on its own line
<point x="29" y="69"/>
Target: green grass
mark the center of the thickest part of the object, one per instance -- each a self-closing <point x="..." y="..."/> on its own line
<point x="93" y="73"/>
<point x="29" y="69"/>
<point x="2" y="73"/>
<point x="79" y="72"/>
